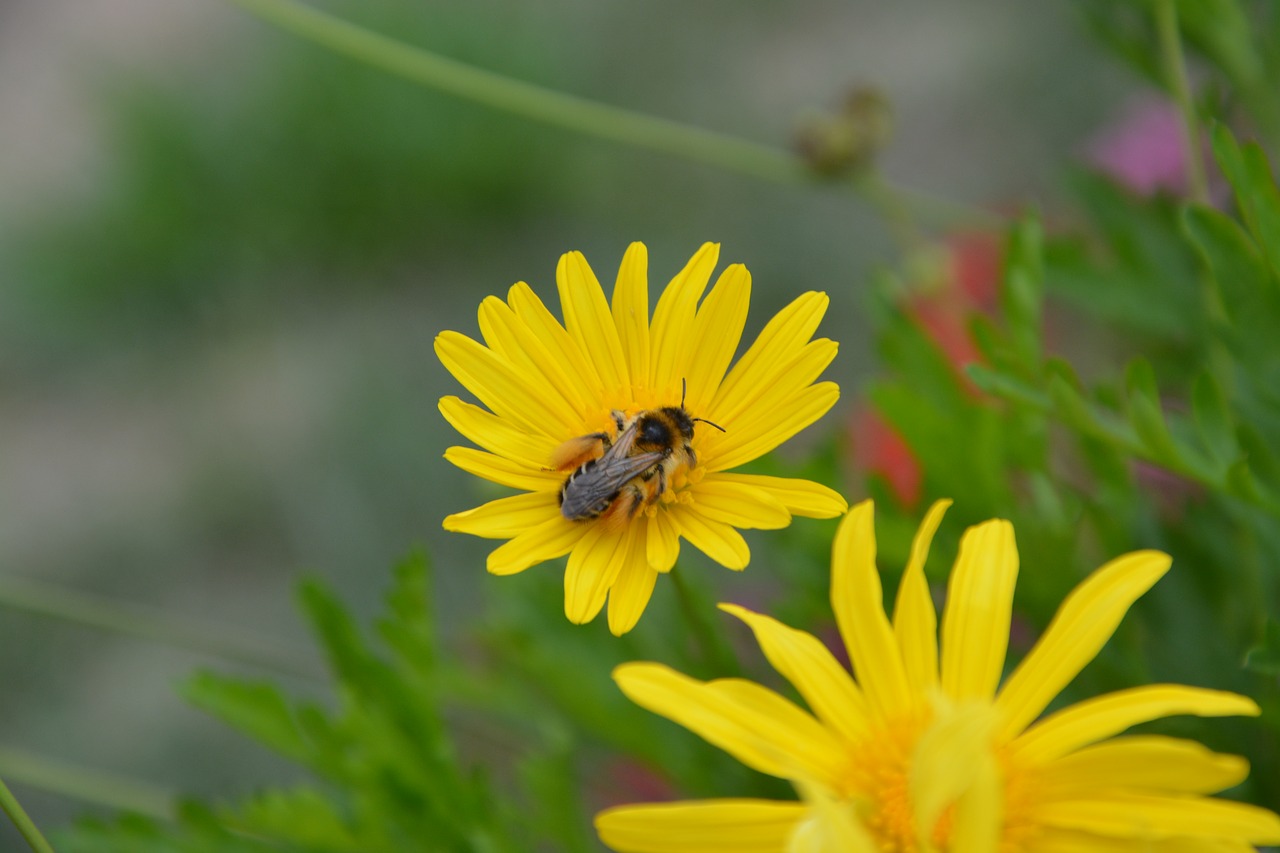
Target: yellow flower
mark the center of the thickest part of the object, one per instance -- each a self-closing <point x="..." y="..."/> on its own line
<point x="544" y="384"/>
<point x="927" y="751"/>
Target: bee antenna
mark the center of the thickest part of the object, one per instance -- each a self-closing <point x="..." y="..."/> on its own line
<point x="684" y="388"/>
<point x="709" y="423"/>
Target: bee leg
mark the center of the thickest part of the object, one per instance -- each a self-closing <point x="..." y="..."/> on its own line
<point x="691" y="456"/>
<point x="623" y="508"/>
<point x="576" y="452"/>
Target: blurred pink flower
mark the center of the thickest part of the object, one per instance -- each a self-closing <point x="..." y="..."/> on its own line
<point x="879" y="449"/>
<point x="1142" y="150"/>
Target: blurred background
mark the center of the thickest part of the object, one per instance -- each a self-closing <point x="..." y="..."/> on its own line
<point x="224" y="255"/>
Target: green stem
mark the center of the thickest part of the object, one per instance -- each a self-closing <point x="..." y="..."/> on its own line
<point x="1175" y="70"/>
<point x="581" y="115"/>
<point x="90" y="786"/>
<point x="156" y="625"/>
<point x="20" y="819"/>
<point x="714" y="651"/>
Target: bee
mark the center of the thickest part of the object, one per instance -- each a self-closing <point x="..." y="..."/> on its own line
<point x="614" y="477"/>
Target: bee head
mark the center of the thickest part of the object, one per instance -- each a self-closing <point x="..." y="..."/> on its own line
<point x="658" y="429"/>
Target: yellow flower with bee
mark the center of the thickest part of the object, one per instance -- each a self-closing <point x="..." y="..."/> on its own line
<point x="595" y="421"/>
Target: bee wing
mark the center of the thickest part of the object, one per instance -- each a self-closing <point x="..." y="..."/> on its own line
<point x="586" y="490"/>
<point x="625" y="441"/>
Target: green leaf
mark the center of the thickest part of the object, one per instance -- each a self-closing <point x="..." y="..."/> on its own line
<point x="1232" y="258"/>
<point x="1214" y="423"/>
<point x="1145" y="413"/>
<point x="256" y="708"/>
<point x="1264" y="658"/>
<point x="1006" y="386"/>
<point x="1072" y="407"/>
<point x="1262" y="461"/>
<point x="1022" y="289"/>
<point x="1247" y="170"/>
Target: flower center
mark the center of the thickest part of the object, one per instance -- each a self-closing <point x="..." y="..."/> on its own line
<point x="882" y="781"/>
<point x="880" y="786"/>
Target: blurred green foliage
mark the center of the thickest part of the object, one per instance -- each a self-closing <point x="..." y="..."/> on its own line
<point x="1178" y="449"/>
<point x="308" y="163"/>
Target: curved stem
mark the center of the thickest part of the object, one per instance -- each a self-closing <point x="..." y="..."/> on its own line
<point x="148" y="623"/>
<point x="582" y="115"/>
<point x="1175" y="70"/>
<point x="90" y="786"/>
<point x="22" y="821"/>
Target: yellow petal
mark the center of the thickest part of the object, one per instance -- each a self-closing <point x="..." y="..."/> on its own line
<point x="830" y="825"/>
<point x="979" y="811"/>
<point x="788" y="419"/>
<point x="709" y="826"/>
<point x="1150" y="762"/>
<point x="534" y="314"/>
<point x="590" y="323"/>
<point x="631" y="591"/>
<point x="717" y="328"/>
<point x="505" y="517"/>
<point x="631" y="311"/>
<point x="555" y="537"/>
<point x="719" y="541"/>
<point x="858" y="602"/>
<point x="800" y="497"/>
<point x="975" y="623"/>
<point x="781" y="341"/>
<point x="1083" y="624"/>
<point x="1150" y="816"/>
<point x="915" y="622"/>
<point x="754" y="410"/>
<point x="663" y="542"/>
<point x="593" y="566"/>
<point x="952" y="761"/>
<point x="504" y="471"/>
<point x="497" y="435"/>
<point x="1050" y="839"/>
<point x="509" y="336"/>
<point x="753" y="724"/>
<point x="743" y="506"/>
<point x="506" y="390"/>
<point x="814" y="672"/>
<point x="1099" y="718"/>
<point x="671" y="334"/>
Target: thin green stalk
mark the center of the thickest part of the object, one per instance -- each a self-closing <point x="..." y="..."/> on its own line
<point x="1175" y="71"/>
<point x="526" y="99"/>
<point x="149" y="623"/>
<point x="714" y="651"/>
<point x="81" y="783"/>
<point x="20" y="819"/>
<point x="582" y="115"/>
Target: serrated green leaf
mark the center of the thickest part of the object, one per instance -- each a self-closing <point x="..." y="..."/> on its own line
<point x="256" y="708"/>
<point x="1214" y="423"/>
<point x="302" y="816"/>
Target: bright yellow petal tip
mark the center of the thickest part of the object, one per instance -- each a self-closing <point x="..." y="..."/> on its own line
<point x="925" y="750"/>
<point x="557" y="396"/>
